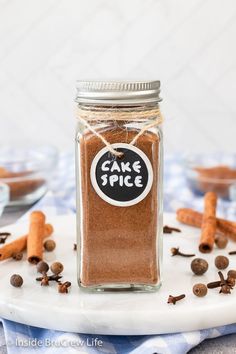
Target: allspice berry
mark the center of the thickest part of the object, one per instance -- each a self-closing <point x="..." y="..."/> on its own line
<point x="199" y="266"/>
<point x="221" y="241"/>
<point x="49" y="245"/>
<point x="42" y="267"/>
<point x="56" y="268"/>
<point x="16" y="280"/>
<point x="232" y="273"/>
<point x="221" y="262"/>
<point x="200" y="290"/>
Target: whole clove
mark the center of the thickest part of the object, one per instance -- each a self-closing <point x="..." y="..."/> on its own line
<point x="4" y="236"/>
<point x="170" y="229"/>
<point x="44" y="281"/>
<point x="214" y="284"/>
<point x="225" y="288"/>
<point x="231" y="253"/>
<point x="43" y="267"/>
<point x="63" y="287"/>
<point x="53" y="277"/>
<point x="174" y="299"/>
<point x="229" y="281"/>
<point x="176" y="252"/>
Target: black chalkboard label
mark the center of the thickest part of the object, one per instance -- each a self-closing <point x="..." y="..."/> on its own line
<point x="122" y="181"/>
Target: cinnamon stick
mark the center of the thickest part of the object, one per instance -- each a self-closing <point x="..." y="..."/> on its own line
<point x="194" y="218"/>
<point x="35" y="237"/>
<point x="207" y="239"/>
<point x="19" y="245"/>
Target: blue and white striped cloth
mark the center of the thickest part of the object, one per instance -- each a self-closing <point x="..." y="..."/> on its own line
<point x="61" y="200"/>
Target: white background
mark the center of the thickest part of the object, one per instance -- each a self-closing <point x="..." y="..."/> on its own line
<point x="45" y="45"/>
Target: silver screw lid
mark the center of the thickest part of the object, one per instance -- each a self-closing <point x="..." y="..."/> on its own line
<point x="118" y="92"/>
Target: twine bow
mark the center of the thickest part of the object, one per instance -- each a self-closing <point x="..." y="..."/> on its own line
<point x="86" y="115"/>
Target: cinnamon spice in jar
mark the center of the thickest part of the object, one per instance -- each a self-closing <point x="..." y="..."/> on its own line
<point x="119" y="185"/>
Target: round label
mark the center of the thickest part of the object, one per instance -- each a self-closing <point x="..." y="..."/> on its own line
<point x="123" y="181"/>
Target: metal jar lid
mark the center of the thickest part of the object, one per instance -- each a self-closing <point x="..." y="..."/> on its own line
<point x="118" y="92"/>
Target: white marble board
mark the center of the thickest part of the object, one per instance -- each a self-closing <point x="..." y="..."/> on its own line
<point x="116" y="313"/>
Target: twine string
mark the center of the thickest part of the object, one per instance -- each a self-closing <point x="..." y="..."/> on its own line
<point x="85" y="116"/>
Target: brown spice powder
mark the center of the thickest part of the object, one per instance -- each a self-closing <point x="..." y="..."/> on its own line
<point x="118" y="243"/>
<point x="20" y="188"/>
<point x="216" y="179"/>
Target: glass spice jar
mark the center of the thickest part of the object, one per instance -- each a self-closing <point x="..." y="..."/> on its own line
<point x="119" y="185"/>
